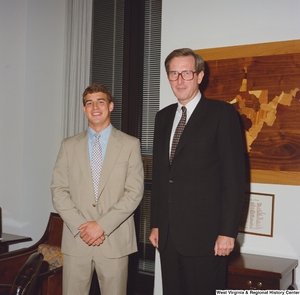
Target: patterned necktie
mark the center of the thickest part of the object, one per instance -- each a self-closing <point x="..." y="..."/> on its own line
<point x="96" y="164"/>
<point x="178" y="131"/>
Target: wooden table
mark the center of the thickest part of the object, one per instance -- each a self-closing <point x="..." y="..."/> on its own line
<point x="249" y="271"/>
<point x="9" y="239"/>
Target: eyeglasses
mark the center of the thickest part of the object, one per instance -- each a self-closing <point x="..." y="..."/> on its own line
<point x="186" y="75"/>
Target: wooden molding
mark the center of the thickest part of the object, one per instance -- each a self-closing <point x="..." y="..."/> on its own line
<point x="261" y="49"/>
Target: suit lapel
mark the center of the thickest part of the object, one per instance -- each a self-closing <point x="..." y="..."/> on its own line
<point x="195" y="121"/>
<point x="113" y="150"/>
<point x="83" y="158"/>
<point x="167" y="129"/>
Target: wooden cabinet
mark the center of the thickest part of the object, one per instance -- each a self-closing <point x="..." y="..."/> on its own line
<point x="249" y="271"/>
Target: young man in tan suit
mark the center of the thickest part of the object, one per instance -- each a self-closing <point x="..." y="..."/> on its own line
<point x="99" y="230"/>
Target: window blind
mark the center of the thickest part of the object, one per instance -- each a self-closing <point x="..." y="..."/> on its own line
<point x="107" y="61"/>
<point x="107" y="50"/>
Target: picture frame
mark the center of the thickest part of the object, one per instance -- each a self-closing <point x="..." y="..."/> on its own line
<point x="258" y="214"/>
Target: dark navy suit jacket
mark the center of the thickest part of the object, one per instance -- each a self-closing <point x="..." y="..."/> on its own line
<point x="199" y="196"/>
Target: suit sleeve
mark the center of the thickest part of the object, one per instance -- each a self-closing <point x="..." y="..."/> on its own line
<point x="232" y="164"/>
<point x="155" y="176"/>
<point x="60" y="189"/>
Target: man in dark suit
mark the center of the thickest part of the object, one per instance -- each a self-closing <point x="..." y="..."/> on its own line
<point x="197" y="193"/>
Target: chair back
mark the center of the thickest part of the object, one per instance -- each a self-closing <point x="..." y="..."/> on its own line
<point x="25" y="282"/>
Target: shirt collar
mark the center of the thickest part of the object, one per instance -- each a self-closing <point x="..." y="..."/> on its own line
<point x="104" y="133"/>
<point x="190" y="106"/>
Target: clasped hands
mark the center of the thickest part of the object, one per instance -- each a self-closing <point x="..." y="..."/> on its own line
<point x="92" y="233"/>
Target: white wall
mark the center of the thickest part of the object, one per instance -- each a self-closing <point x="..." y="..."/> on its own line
<point x="200" y="24"/>
<point x="32" y="34"/>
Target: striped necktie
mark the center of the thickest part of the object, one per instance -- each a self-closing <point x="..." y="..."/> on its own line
<point x="177" y="134"/>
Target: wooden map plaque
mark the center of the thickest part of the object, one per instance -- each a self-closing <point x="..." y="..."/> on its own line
<point x="262" y="81"/>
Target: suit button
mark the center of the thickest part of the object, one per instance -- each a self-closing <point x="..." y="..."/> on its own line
<point x="171" y="181"/>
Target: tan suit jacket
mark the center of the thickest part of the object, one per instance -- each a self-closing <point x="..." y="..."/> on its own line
<point x="120" y="192"/>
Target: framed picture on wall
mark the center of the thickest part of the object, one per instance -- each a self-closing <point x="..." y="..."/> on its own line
<point x="258" y="214"/>
<point x="262" y="81"/>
